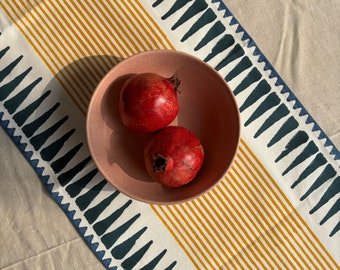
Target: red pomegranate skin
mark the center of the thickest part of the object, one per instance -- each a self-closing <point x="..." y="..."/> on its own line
<point x="173" y="156"/>
<point x="148" y="102"/>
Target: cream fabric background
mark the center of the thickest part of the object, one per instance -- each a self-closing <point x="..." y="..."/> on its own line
<point x="299" y="37"/>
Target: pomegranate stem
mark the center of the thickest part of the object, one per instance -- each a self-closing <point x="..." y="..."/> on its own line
<point x="175" y="81"/>
<point x="159" y="164"/>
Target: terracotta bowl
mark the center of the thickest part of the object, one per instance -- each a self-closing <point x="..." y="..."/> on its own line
<point x="207" y="108"/>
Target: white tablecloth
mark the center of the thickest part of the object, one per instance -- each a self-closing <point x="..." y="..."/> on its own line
<point x="300" y="38"/>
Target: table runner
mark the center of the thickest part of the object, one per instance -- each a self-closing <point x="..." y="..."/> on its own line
<point x="276" y="208"/>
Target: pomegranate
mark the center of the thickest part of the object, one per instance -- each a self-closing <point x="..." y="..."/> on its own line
<point x="173" y="156"/>
<point x="148" y="102"/>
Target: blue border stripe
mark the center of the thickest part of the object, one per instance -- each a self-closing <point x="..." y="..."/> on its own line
<point x="280" y="82"/>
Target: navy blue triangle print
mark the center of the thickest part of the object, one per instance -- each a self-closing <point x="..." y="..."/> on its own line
<point x="262" y="104"/>
<point x="45" y="125"/>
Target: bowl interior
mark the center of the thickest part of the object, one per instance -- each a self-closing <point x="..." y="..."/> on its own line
<point x="207" y="108"/>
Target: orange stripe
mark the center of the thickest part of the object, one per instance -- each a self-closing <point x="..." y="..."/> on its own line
<point x="298" y="223"/>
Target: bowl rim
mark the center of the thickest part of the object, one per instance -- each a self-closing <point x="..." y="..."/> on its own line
<point x="177" y="52"/>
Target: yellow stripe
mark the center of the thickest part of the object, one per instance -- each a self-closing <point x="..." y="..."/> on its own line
<point x="267" y="206"/>
<point x="62" y="58"/>
<point x="265" y="213"/>
<point x="170" y="228"/>
<point x="227" y="222"/>
<point x="125" y="28"/>
<point x="299" y="222"/>
<point x="136" y="32"/>
<point x="124" y="47"/>
<point x="249" y="210"/>
<point x="58" y="48"/>
<point x="33" y="22"/>
<point x="67" y="57"/>
<point x="305" y="245"/>
<point x="286" y="216"/>
<point x="43" y="48"/>
<point x="96" y="71"/>
<point x="24" y="21"/>
<point x="151" y="25"/>
<point x="36" y="44"/>
<point x="234" y="222"/>
<point x="264" y="219"/>
<point x="198" y="229"/>
<point x="171" y="218"/>
<point x="93" y="39"/>
<point x="118" y="29"/>
<point x="20" y="24"/>
<point x="77" y="41"/>
<point x="284" y="205"/>
<point x="197" y="235"/>
<point x="209" y="228"/>
<point x="217" y="223"/>
<point x="244" y="213"/>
